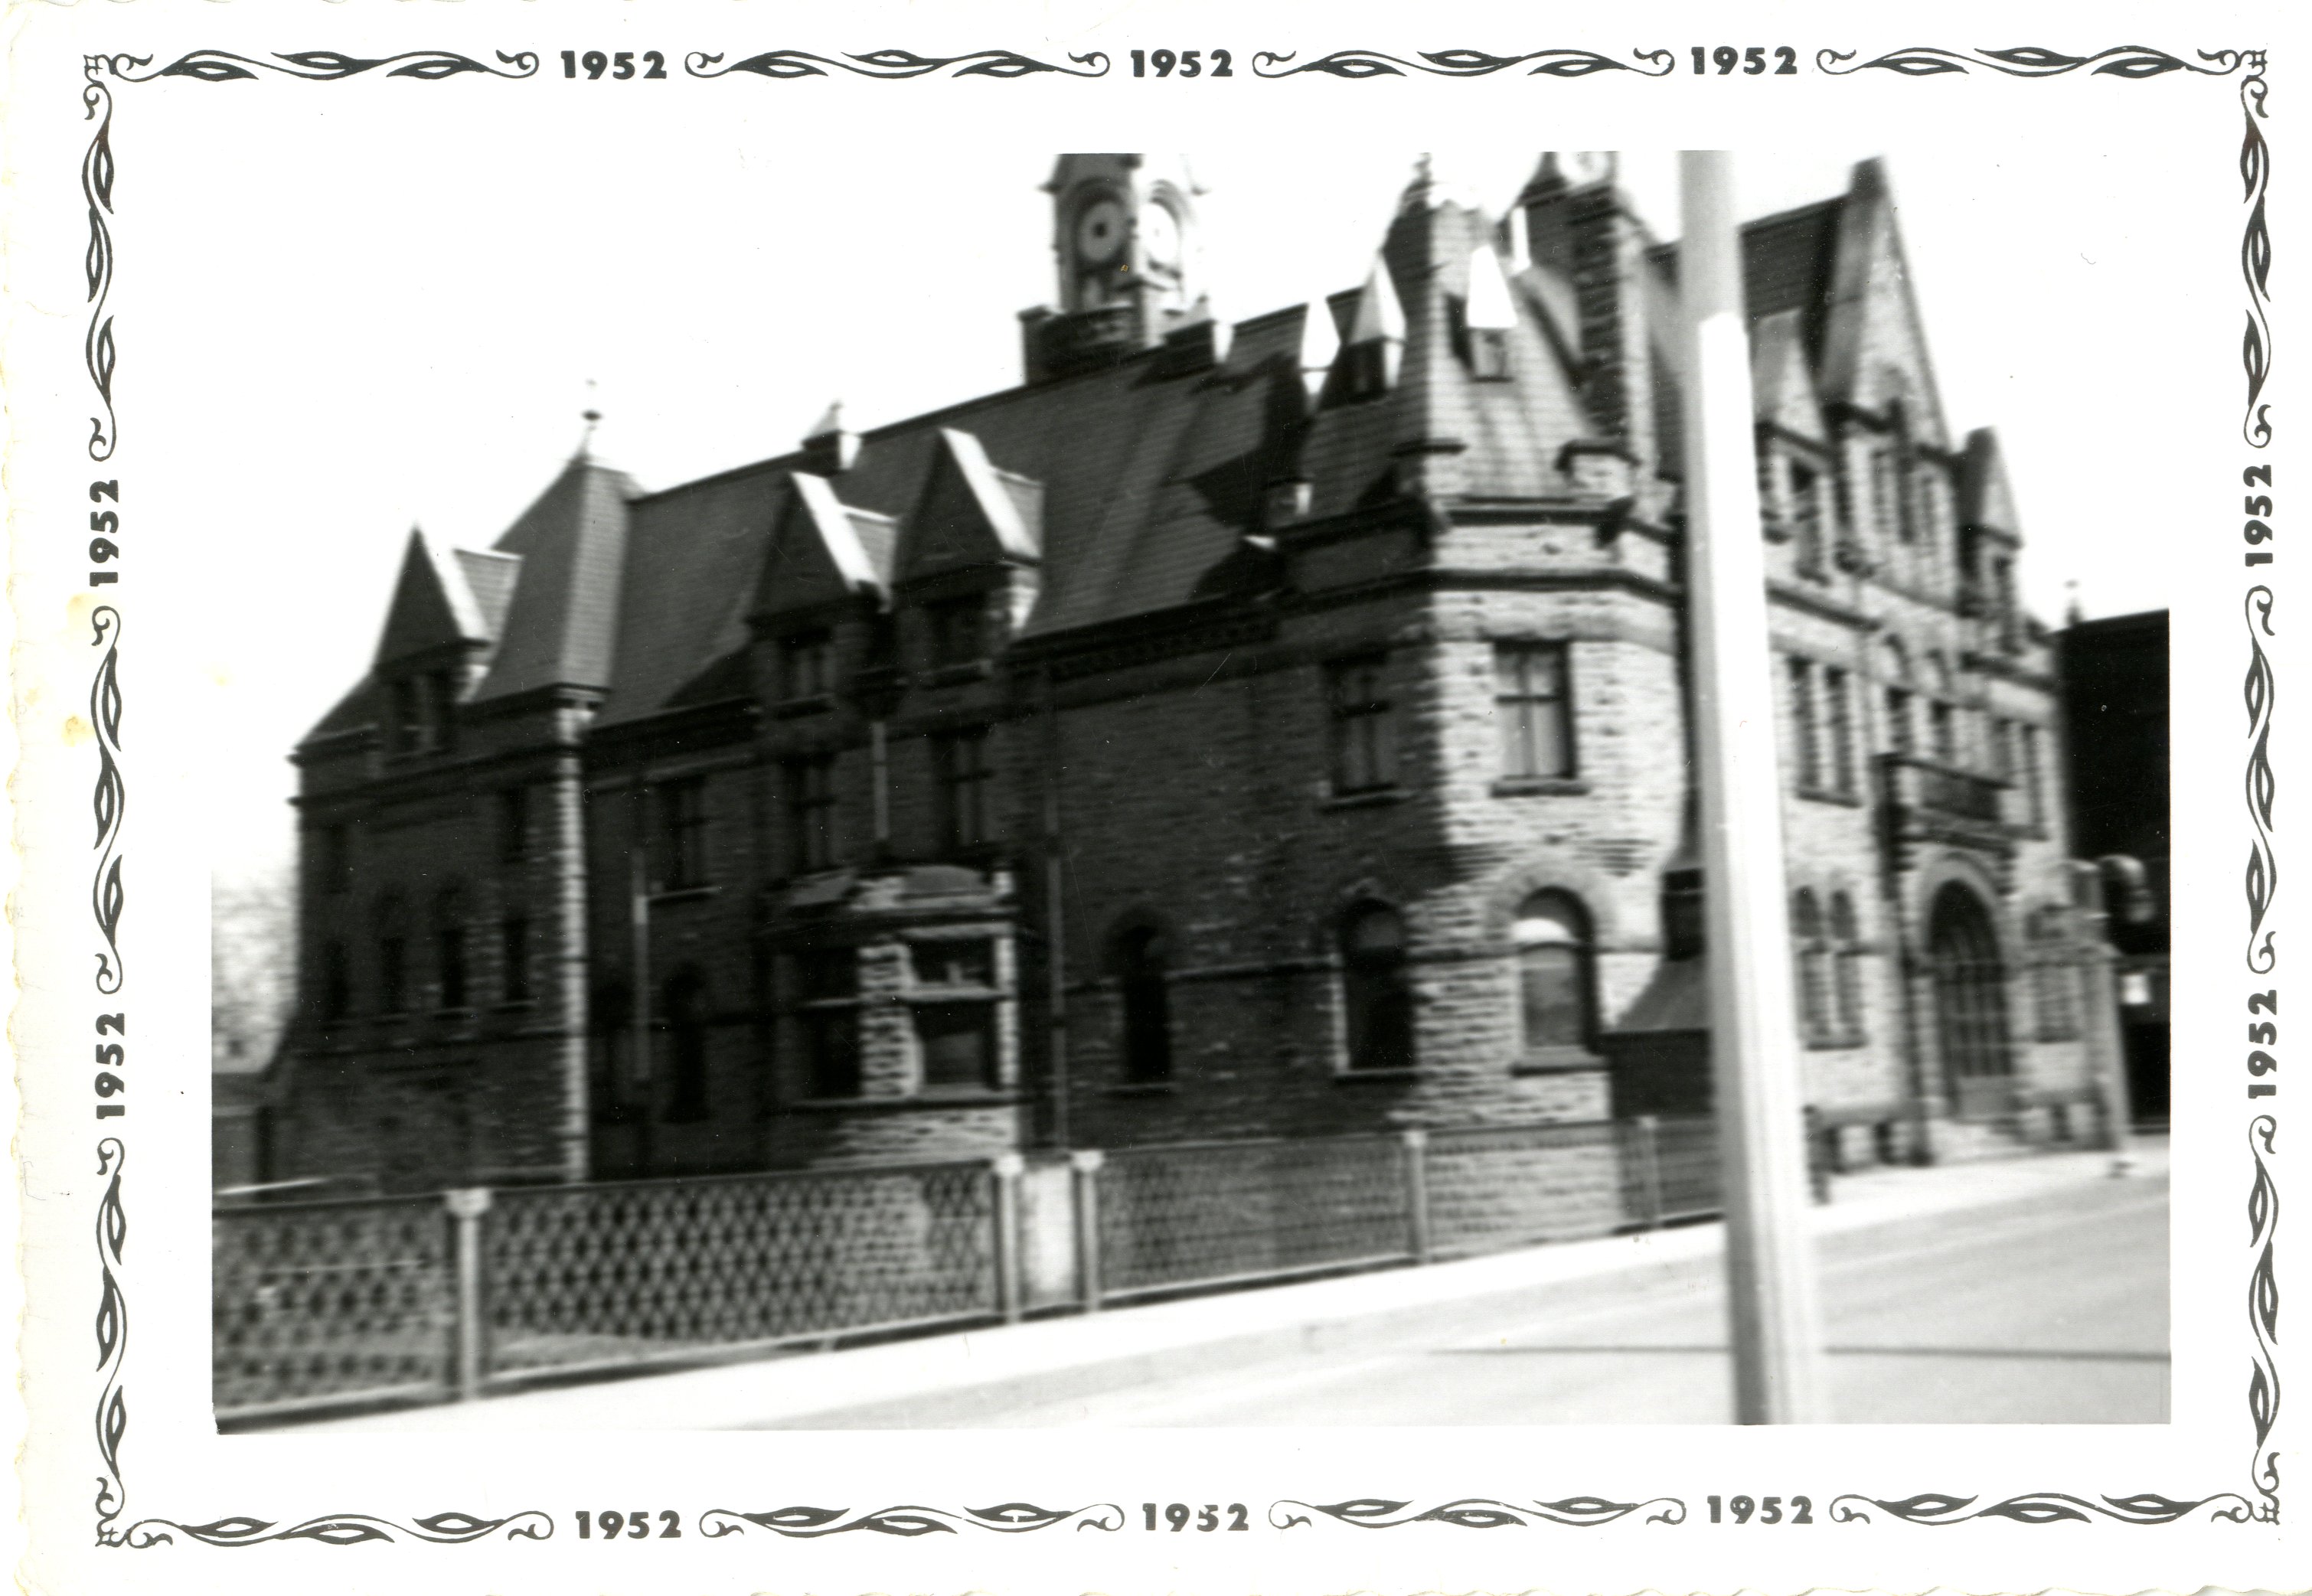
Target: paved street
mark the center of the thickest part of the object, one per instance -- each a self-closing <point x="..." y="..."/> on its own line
<point x="2049" y="1310"/>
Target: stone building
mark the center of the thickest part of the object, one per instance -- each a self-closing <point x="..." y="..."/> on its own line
<point x="1273" y="728"/>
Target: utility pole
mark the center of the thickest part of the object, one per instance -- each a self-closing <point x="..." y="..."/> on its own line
<point x="1773" y="1311"/>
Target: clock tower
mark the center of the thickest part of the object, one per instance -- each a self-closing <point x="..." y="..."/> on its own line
<point x="1123" y="236"/>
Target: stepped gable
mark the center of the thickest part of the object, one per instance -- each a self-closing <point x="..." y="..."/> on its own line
<point x="562" y="621"/>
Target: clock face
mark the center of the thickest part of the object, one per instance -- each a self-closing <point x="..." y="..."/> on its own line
<point x="1159" y="236"/>
<point x="1099" y="232"/>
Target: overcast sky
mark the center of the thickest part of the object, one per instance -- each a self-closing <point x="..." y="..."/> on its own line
<point x="365" y="334"/>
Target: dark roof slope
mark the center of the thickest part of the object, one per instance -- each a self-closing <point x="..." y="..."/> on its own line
<point x="561" y="625"/>
<point x="1787" y="264"/>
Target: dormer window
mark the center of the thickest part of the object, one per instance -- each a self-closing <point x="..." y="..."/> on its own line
<point x="957" y="630"/>
<point x="807" y="666"/>
<point x="1489" y="354"/>
<point x="418" y="718"/>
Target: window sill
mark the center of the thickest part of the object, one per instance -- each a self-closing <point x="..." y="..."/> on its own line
<point x="930" y="1100"/>
<point x="809" y="704"/>
<point x="1835" y="1044"/>
<point x="1561" y="1061"/>
<point x="1831" y="795"/>
<point x="1141" y="1089"/>
<point x="1359" y="1077"/>
<point x="1365" y="798"/>
<point x="513" y="1005"/>
<point x="684" y="894"/>
<point x="946" y="676"/>
<point x="1532" y="787"/>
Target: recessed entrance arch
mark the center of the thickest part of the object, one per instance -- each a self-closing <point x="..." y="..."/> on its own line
<point x="1970" y="982"/>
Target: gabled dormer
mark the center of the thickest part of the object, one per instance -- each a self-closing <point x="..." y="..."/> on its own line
<point x="969" y="560"/>
<point x="435" y="643"/>
<point x="824" y="587"/>
<point x="1990" y="536"/>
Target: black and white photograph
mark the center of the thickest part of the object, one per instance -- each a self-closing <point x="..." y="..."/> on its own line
<point x="1369" y="827"/>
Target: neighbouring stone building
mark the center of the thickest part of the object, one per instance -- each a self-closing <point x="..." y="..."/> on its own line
<point x="1266" y="729"/>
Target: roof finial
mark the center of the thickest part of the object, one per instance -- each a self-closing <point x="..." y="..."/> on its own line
<point x="592" y="416"/>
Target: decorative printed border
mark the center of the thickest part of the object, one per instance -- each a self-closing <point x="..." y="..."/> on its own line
<point x="108" y="898"/>
<point x="810" y="1523"/>
<point x="1365" y="64"/>
<point x="891" y="65"/>
<point x="2127" y="60"/>
<point x="1477" y="1512"/>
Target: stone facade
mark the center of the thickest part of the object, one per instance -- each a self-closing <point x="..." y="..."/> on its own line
<point x="1259" y="731"/>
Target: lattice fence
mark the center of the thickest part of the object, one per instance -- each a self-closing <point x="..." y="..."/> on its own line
<point x="1203" y="1214"/>
<point x="591" y="1275"/>
<point x="331" y="1301"/>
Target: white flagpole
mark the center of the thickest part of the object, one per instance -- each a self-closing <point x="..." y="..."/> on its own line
<point x="1775" y="1316"/>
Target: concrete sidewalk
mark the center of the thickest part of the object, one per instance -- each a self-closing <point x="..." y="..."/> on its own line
<point x="1122" y="1345"/>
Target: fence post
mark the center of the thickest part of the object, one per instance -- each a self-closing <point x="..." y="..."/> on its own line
<point x="466" y="1205"/>
<point x="1083" y="1177"/>
<point x="1008" y="1168"/>
<point x="1647" y="1130"/>
<point x="1416" y="1192"/>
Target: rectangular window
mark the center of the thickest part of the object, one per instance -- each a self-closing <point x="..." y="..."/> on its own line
<point x="1530" y="708"/>
<point x="406" y="727"/>
<point x="959" y="1045"/>
<point x="1901" y="736"/>
<point x="960" y="762"/>
<point x="441" y="712"/>
<point x="513" y="825"/>
<point x="956" y="631"/>
<point x="1805" y="517"/>
<point x="450" y="947"/>
<point x="1489" y="354"/>
<point x="810" y="811"/>
<point x="969" y="961"/>
<point x="827" y="1018"/>
<point x="1364" y="738"/>
<point x="513" y="946"/>
<point x="1807" y="738"/>
<point x="336" y="863"/>
<point x="1838" y="714"/>
<point x="2002" y="749"/>
<point x="337" y="983"/>
<point x="1887" y="510"/>
<point x="682" y="830"/>
<point x="392" y="975"/>
<point x="1942" y="723"/>
<point x="807" y="665"/>
<point x="2035" y="796"/>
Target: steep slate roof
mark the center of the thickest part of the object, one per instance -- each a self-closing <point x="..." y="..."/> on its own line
<point x="1133" y="485"/>
<point x="561" y="625"/>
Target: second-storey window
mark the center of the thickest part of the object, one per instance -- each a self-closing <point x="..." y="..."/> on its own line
<point x="959" y="764"/>
<point x="1806" y="518"/>
<point x="1838" y="716"/>
<point x="1364" y="733"/>
<point x="2035" y="796"/>
<point x="1529" y="710"/>
<point x="810" y="811"/>
<point x="513" y="952"/>
<point x="513" y="825"/>
<point x="450" y="950"/>
<point x="682" y="825"/>
<point x="1805" y="733"/>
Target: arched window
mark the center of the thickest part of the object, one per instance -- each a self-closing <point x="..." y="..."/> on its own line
<point x="1142" y="955"/>
<point x="1813" y="956"/>
<point x="684" y="1021"/>
<point x="392" y="956"/>
<point x="1846" y="942"/>
<point x="1376" y="992"/>
<point x="450" y="950"/>
<point x="1555" y="981"/>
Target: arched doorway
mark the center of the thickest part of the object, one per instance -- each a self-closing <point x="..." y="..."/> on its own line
<point x="1970" y="1005"/>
